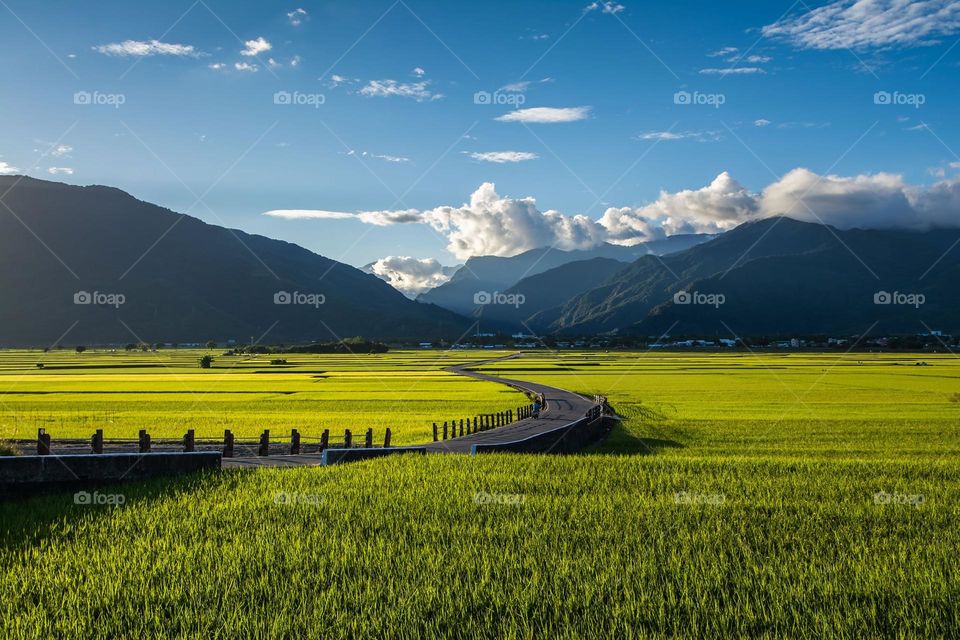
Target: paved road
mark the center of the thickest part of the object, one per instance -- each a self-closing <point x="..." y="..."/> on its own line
<point x="563" y="407"/>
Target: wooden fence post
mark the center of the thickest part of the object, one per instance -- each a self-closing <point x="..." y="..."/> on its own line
<point x="324" y="439"/>
<point x="461" y="427"/>
<point x="444" y="430"/>
<point x="264" y="443"/>
<point x="97" y="441"/>
<point x="294" y="442"/>
<point x="368" y="440"/>
<point x="189" y="441"/>
<point x="435" y="435"/>
<point x="144" y="438"/>
<point x="474" y="424"/>
<point x="386" y="439"/>
<point x="347" y="439"/>
<point x="227" y="443"/>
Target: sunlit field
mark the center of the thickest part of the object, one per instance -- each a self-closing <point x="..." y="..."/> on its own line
<point x="167" y="393"/>
<point x="768" y="495"/>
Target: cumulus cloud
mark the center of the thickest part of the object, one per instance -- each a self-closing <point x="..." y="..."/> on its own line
<point x="761" y="122"/>
<point x="501" y="157"/>
<point x="61" y="151"/>
<point x="545" y="115"/>
<point x="419" y="91"/>
<point x="256" y="47"/>
<point x="409" y="275"/>
<point x="491" y="224"/>
<point x="246" y="66"/>
<point x="865" y="24"/>
<point x="143" y="48"/>
<point x="419" y="72"/>
<point x="7" y="169"/>
<point x="58" y="171"/>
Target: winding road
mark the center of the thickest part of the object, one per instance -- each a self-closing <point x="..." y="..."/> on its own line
<point x="563" y="408"/>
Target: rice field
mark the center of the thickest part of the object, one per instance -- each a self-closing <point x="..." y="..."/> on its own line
<point x="166" y="392"/>
<point x="768" y="495"/>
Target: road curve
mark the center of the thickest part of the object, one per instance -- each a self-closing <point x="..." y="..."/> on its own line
<point x="563" y="407"/>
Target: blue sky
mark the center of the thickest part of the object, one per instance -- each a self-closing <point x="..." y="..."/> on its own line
<point x="592" y="106"/>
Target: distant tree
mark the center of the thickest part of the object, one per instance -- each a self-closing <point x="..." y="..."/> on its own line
<point x="40" y="365"/>
<point x="130" y="347"/>
<point x="211" y="345"/>
<point x="81" y="349"/>
<point x="206" y="362"/>
<point x="144" y="347"/>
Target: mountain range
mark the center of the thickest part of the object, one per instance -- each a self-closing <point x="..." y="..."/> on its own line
<point x="95" y="265"/>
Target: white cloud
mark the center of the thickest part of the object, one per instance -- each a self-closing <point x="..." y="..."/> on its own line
<point x="296" y="17"/>
<point x="295" y="61"/>
<point x="245" y="66"/>
<point x="256" y="47"/>
<point x="501" y="157"/>
<point x="146" y="48"/>
<point x="57" y="171"/>
<point x="865" y="24"/>
<point x="699" y="136"/>
<point x="217" y="66"/>
<point x="7" y="169"/>
<point x="309" y="214"/>
<point x="954" y="165"/>
<point x="389" y="158"/>
<point x="757" y="59"/>
<point x="725" y="52"/>
<point x="612" y="8"/>
<point x="761" y="122"/>
<point x="62" y="151"/>
<point x="337" y="80"/>
<point x="410" y="275"/>
<point x="387" y="218"/>
<point x="546" y="115"/>
<point x="491" y="224"/>
<point x="419" y="72"/>
<point x="386" y="88"/>
<point x="721" y="205"/>
<point x="732" y="71"/>
<point x="523" y="85"/>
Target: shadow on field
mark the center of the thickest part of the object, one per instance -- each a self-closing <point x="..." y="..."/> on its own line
<point x="623" y="441"/>
<point x="29" y="521"/>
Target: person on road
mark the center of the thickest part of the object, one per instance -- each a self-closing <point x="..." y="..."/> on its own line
<point x="536" y="408"/>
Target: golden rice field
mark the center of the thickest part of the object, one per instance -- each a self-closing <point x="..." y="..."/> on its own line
<point x="166" y="393"/>
<point x="769" y="495"/>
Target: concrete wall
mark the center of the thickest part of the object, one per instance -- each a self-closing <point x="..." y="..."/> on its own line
<point x="338" y="456"/>
<point x="567" y="439"/>
<point x="27" y="474"/>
